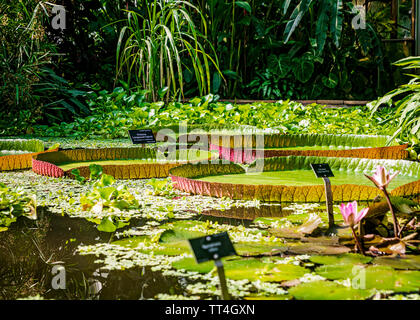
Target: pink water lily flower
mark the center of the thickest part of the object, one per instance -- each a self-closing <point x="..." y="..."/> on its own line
<point x="381" y="178"/>
<point x="350" y="214"/>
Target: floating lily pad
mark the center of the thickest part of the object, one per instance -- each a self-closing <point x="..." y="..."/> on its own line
<point x="275" y="183"/>
<point x="145" y="245"/>
<point x="298" y="232"/>
<point x="256" y="249"/>
<point x="16" y="154"/>
<point x="246" y="148"/>
<point x="347" y="258"/>
<point x="316" y="248"/>
<point x="121" y="163"/>
<point x="173" y="235"/>
<point x="278" y="297"/>
<point x="338" y="271"/>
<point x="181" y="230"/>
<point x="251" y="269"/>
<point x="408" y="262"/>
<point x="373" y="277"/>
<point x="326" y="290"/>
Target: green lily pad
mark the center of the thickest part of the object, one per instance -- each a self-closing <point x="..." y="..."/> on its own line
<point x="339" y="271"/>
<point x="326" y="290"/>
<point x="174" y="235"/>
<point x="251" y="269"/>
<point x="409" y="262"/>
<point x="259" y="297"/>
<point x="145" y="245"/>
<point x="347" y="258"/>
<point x="373" y="277"/>
<point x="316" y="248"/>
<point x="306" y="228"/>
<point x="255" y="249"/>
<point x="190" y="264"/>
<point x="289" y="179"/>
<point x="296" y="219"/>
<point x="173" y="241"/>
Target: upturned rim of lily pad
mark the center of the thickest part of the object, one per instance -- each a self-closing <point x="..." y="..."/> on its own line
<point x="21" y="161"/>
<point x="185" y="179"/>
<point x="49" y="164"/>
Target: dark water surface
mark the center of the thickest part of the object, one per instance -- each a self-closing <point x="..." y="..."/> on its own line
<point x="30" y="249"/>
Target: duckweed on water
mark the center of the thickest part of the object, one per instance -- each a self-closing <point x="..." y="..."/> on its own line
<point x="311" y="266"/>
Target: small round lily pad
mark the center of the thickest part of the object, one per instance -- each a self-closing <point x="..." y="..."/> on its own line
<point x="347" y="258"/>
<point x="251" y="269"/>
<point x="409" y="262"/>
<point x="373" y="277"/>
<point x="327" y="290"/>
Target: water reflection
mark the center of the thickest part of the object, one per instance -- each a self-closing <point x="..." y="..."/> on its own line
<point x="251" y="213"/>
<point x="30" y="249"/>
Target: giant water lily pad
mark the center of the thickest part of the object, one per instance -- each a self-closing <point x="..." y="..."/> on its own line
<point x="16" y="154"/>
<point x="271" y="180"/>
<point x="121" y="163"/>
<point x="326" y="290"/>
<point x="247" y="148"/>
<point x="251" y="269"/>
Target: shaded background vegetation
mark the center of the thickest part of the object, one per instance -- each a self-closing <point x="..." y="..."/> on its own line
<point x="290" y="49"/>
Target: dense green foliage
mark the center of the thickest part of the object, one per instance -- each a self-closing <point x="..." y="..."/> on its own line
<point x="300" y="49"/>
<point x="407" y="102"/>
<point x="13" y="204"/>
<point x="155" y="43"/>
<point x="115" y="113"/>
<point x="30" y="89"/>
<point x="290" y="49"/>
<point x="133" y="64"/>
<point x="22" y="145"/>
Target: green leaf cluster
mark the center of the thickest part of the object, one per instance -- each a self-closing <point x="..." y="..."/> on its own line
<point x="406" y="99"/>
<point x="13" y="204"/>
<point x="106" y="195"/>
<point x="113" y="116"/>
<point x="161" y="187"/>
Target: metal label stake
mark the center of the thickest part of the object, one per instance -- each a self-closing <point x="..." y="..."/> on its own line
<point x="222" y="278"/>
<point x="329" y="201"/>
<point x="214" y="247"/>
<point x="323" y="170"/>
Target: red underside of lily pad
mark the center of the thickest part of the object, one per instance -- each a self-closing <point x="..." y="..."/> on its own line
<point x="244" y="155"/>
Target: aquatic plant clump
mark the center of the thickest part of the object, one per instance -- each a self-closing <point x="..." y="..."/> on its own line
<point x="15" y="203"/>
<point x="16" y="154"/>
<point x="233" y="181"/>
<point x="121" y="163"/>
<point x="246" y="148"/>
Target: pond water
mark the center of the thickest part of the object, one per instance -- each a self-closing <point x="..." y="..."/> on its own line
<point x="30" y="249"/>
<point x="63" y="236"/>
<point x="250" y="213"/>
